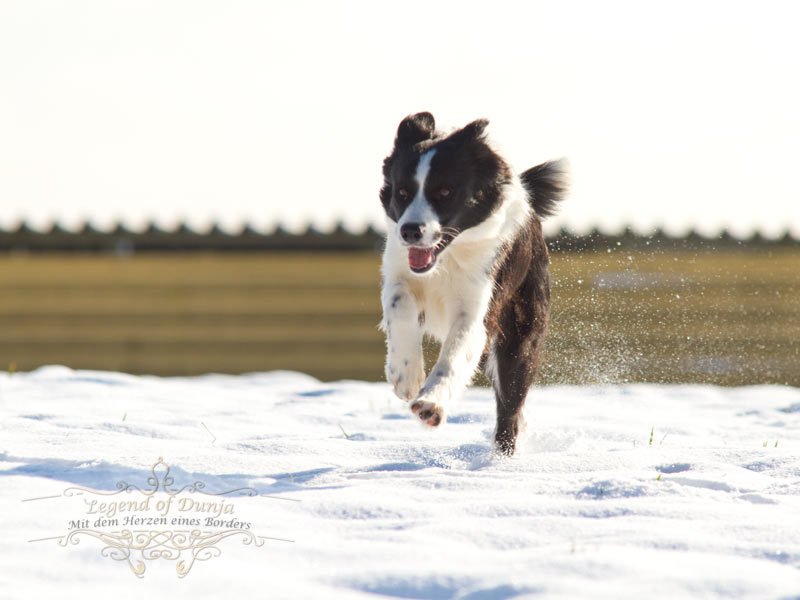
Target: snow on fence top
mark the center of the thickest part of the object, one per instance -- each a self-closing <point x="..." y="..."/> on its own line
<point x="183" y="238"/>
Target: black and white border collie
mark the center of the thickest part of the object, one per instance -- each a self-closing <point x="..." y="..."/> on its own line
<point x="465" y="262"/>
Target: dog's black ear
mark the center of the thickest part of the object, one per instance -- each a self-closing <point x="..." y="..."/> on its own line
<point x="471" y="132"/>
<point x="476" y="129"/>
<point x="415" y="128"/>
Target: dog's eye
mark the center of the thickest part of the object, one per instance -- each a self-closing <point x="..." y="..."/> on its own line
<point x="444" y="192"/>
<point x="402" y="193"/>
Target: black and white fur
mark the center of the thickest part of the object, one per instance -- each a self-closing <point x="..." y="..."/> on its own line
<point x="465" y="262"/>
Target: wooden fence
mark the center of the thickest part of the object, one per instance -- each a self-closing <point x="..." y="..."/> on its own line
<point x="621" y="313"/>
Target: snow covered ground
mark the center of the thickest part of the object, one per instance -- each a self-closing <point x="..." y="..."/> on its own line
<point x="593" y="505"/>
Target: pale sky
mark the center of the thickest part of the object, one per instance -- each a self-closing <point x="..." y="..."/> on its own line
<point x="673" y="114"/>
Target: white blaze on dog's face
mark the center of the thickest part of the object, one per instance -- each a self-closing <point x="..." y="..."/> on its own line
<point x="419" y="227"/>
<point x="436" y="186"/>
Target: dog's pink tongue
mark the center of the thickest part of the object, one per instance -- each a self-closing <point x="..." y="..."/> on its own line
<point x="419" y="258"/>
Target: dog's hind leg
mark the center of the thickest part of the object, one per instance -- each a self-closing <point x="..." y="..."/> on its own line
<point x="512" y="378"/>
<point x="512" y="366"/>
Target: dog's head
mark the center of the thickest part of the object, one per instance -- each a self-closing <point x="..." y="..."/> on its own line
<point x="439" y="185"/>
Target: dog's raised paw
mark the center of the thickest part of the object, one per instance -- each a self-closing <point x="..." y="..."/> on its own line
<point x="429" y="413"/>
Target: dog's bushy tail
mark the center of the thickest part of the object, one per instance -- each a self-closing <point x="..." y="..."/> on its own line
<point x="546" y="185"/>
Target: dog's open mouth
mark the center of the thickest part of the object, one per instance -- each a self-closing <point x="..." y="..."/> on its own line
<point x="421" y="260"/>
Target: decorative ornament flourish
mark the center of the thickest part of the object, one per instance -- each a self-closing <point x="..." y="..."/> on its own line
<point x="137" y="546"/>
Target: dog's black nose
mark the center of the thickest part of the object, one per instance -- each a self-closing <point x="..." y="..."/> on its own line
<point x="411" y="232"/>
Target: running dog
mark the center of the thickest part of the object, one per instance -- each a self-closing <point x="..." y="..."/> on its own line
<point x="466" y="263"/>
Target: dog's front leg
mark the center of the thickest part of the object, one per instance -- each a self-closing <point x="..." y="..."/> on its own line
<point x="405" y="368"/>
<point x="458" y="359"/>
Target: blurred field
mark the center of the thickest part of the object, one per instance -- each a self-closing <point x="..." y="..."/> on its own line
<point x="727" y="317"/>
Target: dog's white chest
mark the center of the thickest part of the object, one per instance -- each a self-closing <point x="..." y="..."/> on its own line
<point x="438" y="308"/>
<point x="451" y="294"/>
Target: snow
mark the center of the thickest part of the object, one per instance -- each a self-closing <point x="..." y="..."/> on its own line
<point x="377" y="506"/>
